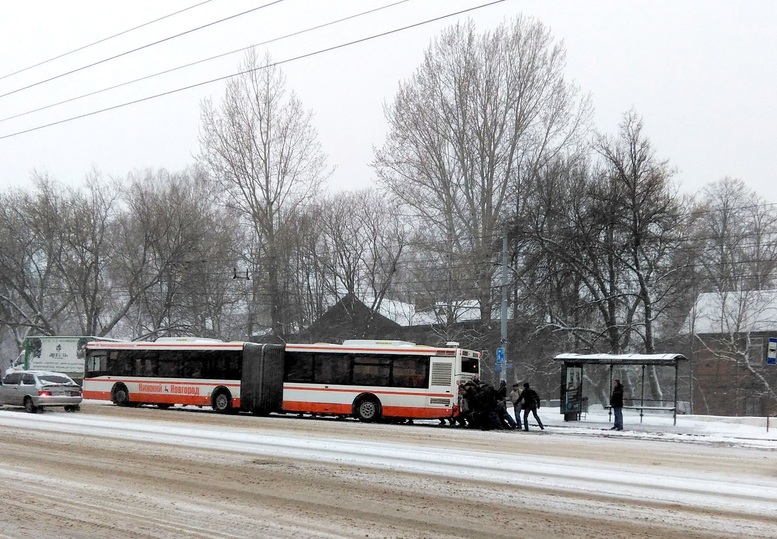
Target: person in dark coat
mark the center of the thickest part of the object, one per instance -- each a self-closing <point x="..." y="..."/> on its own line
<point x="616" y="402"/>
<point x="530" y="402"/>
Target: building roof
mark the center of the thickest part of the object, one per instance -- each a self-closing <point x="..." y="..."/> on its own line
<point x="406" y="314"/>
<point x="733" y="312"/>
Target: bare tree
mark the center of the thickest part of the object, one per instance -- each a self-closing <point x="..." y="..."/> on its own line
<point x="358" y="248"/>
<point x="604" y="236"/>
<point x="182" y="264"/>
<point x="647" y="210"/>
<point x="33" y="298"/>
<point x="83" y="231"/>
<point x="648" y="219"/>
<point x="738" y="232"/>
<point x="479" y="113"/>
<point x="260" y="146"/>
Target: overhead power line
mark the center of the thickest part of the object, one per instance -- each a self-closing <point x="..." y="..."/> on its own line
<point x="227" y="77"/>
<point x="204" y="60"/>
<point x="103" y="40"/>
<point x="125" y="53"/>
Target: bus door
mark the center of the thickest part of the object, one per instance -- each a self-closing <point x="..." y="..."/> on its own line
<point x="261" y="385"/>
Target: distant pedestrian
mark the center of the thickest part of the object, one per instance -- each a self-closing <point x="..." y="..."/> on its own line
<point x="616" y="402"/>
<point x="530" y="402"/>
<point x="515" y="395"/>
<point x="506" y="421"/>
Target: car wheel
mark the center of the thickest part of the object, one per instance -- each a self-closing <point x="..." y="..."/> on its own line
<point x="120" y="395"/>
<point x="367" y="409"/>
<point x="72" y="408"/>
<point x="29" y="406"/>
<point x="222" y="402"/>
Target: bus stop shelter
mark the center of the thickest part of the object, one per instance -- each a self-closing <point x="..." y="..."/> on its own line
<point x="573" y="402"/>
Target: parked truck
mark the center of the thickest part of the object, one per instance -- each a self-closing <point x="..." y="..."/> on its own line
<point x="55" y="353"/>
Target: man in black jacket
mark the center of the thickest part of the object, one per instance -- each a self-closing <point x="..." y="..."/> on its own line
<point x="530" y="402"/>
<point x="616" y="402"/>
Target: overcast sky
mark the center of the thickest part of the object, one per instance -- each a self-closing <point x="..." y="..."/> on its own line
<point x="701" y="73"/>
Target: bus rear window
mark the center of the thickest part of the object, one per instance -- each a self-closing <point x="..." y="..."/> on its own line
<point x="469" y="365"/>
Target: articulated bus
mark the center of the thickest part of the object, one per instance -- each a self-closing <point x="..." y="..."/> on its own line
<point x="365" y="379"/>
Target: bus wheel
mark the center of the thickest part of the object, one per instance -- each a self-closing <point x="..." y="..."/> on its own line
<point x="222" y="402"/>
<point x="164" y="406"/>
<point x="120" y="395"/>
<point x="367" y="409"/>
<point x="29" y="406"/>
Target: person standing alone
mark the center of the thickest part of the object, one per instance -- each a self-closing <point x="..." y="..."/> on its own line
<point x="616" y="402"/>
<point x="530" y="402"/>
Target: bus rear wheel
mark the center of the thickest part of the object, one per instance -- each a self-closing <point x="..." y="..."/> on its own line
<point x="120" y="395"/>
<point x="367" y="409"/>
<point x="222" y="402"/>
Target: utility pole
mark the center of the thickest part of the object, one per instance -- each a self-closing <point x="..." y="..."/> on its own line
<point x="501" y="354"/>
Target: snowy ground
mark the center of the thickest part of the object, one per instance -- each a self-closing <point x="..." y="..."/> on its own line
<point x="144" y="472"/>
<point x="744" y="431"/>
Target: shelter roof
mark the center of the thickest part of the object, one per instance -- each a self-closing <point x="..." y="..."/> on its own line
<point x="621" y="359"/>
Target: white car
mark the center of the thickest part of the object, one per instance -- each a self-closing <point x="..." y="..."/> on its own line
<point x="36" y="390"/>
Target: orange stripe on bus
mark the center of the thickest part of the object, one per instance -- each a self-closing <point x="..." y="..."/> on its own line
<point x="159" y="398"/>
<point x="411" y="412"/>
<point x="97" y="395"/>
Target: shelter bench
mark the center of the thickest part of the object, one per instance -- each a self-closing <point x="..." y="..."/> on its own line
<point x="646" y="407"/>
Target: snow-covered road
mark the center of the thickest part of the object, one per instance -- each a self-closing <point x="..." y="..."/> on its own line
<point x="579" y="482"/>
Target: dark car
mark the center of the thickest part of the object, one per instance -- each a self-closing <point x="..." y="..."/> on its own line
<point x="36" y="390"/>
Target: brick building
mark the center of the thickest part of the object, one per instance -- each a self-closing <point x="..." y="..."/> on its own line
<point x="729" y="353"/>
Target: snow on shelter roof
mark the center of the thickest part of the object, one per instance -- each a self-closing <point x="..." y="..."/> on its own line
<point x="622" y="359"/>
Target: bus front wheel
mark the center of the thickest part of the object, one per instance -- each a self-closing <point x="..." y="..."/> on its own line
<point x="222" y="402"/>
<point x="367" y="409"/>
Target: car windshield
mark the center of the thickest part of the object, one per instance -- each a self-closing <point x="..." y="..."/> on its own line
<point x="55" y="379"/>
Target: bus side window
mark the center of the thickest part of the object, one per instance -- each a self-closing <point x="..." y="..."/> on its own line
<point x="96" y="363"/>
<point x="170" y="363"/>
<point x="146" y="362"/>
<point x="298" y="368"/>
<point x="194" y="365"/>
<point x="234" y="364"/>
<point x="332" y="369"/>
<point x="121" y="363"/>
<point x="371" y="371"/>
<point x="411" y="372"/>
